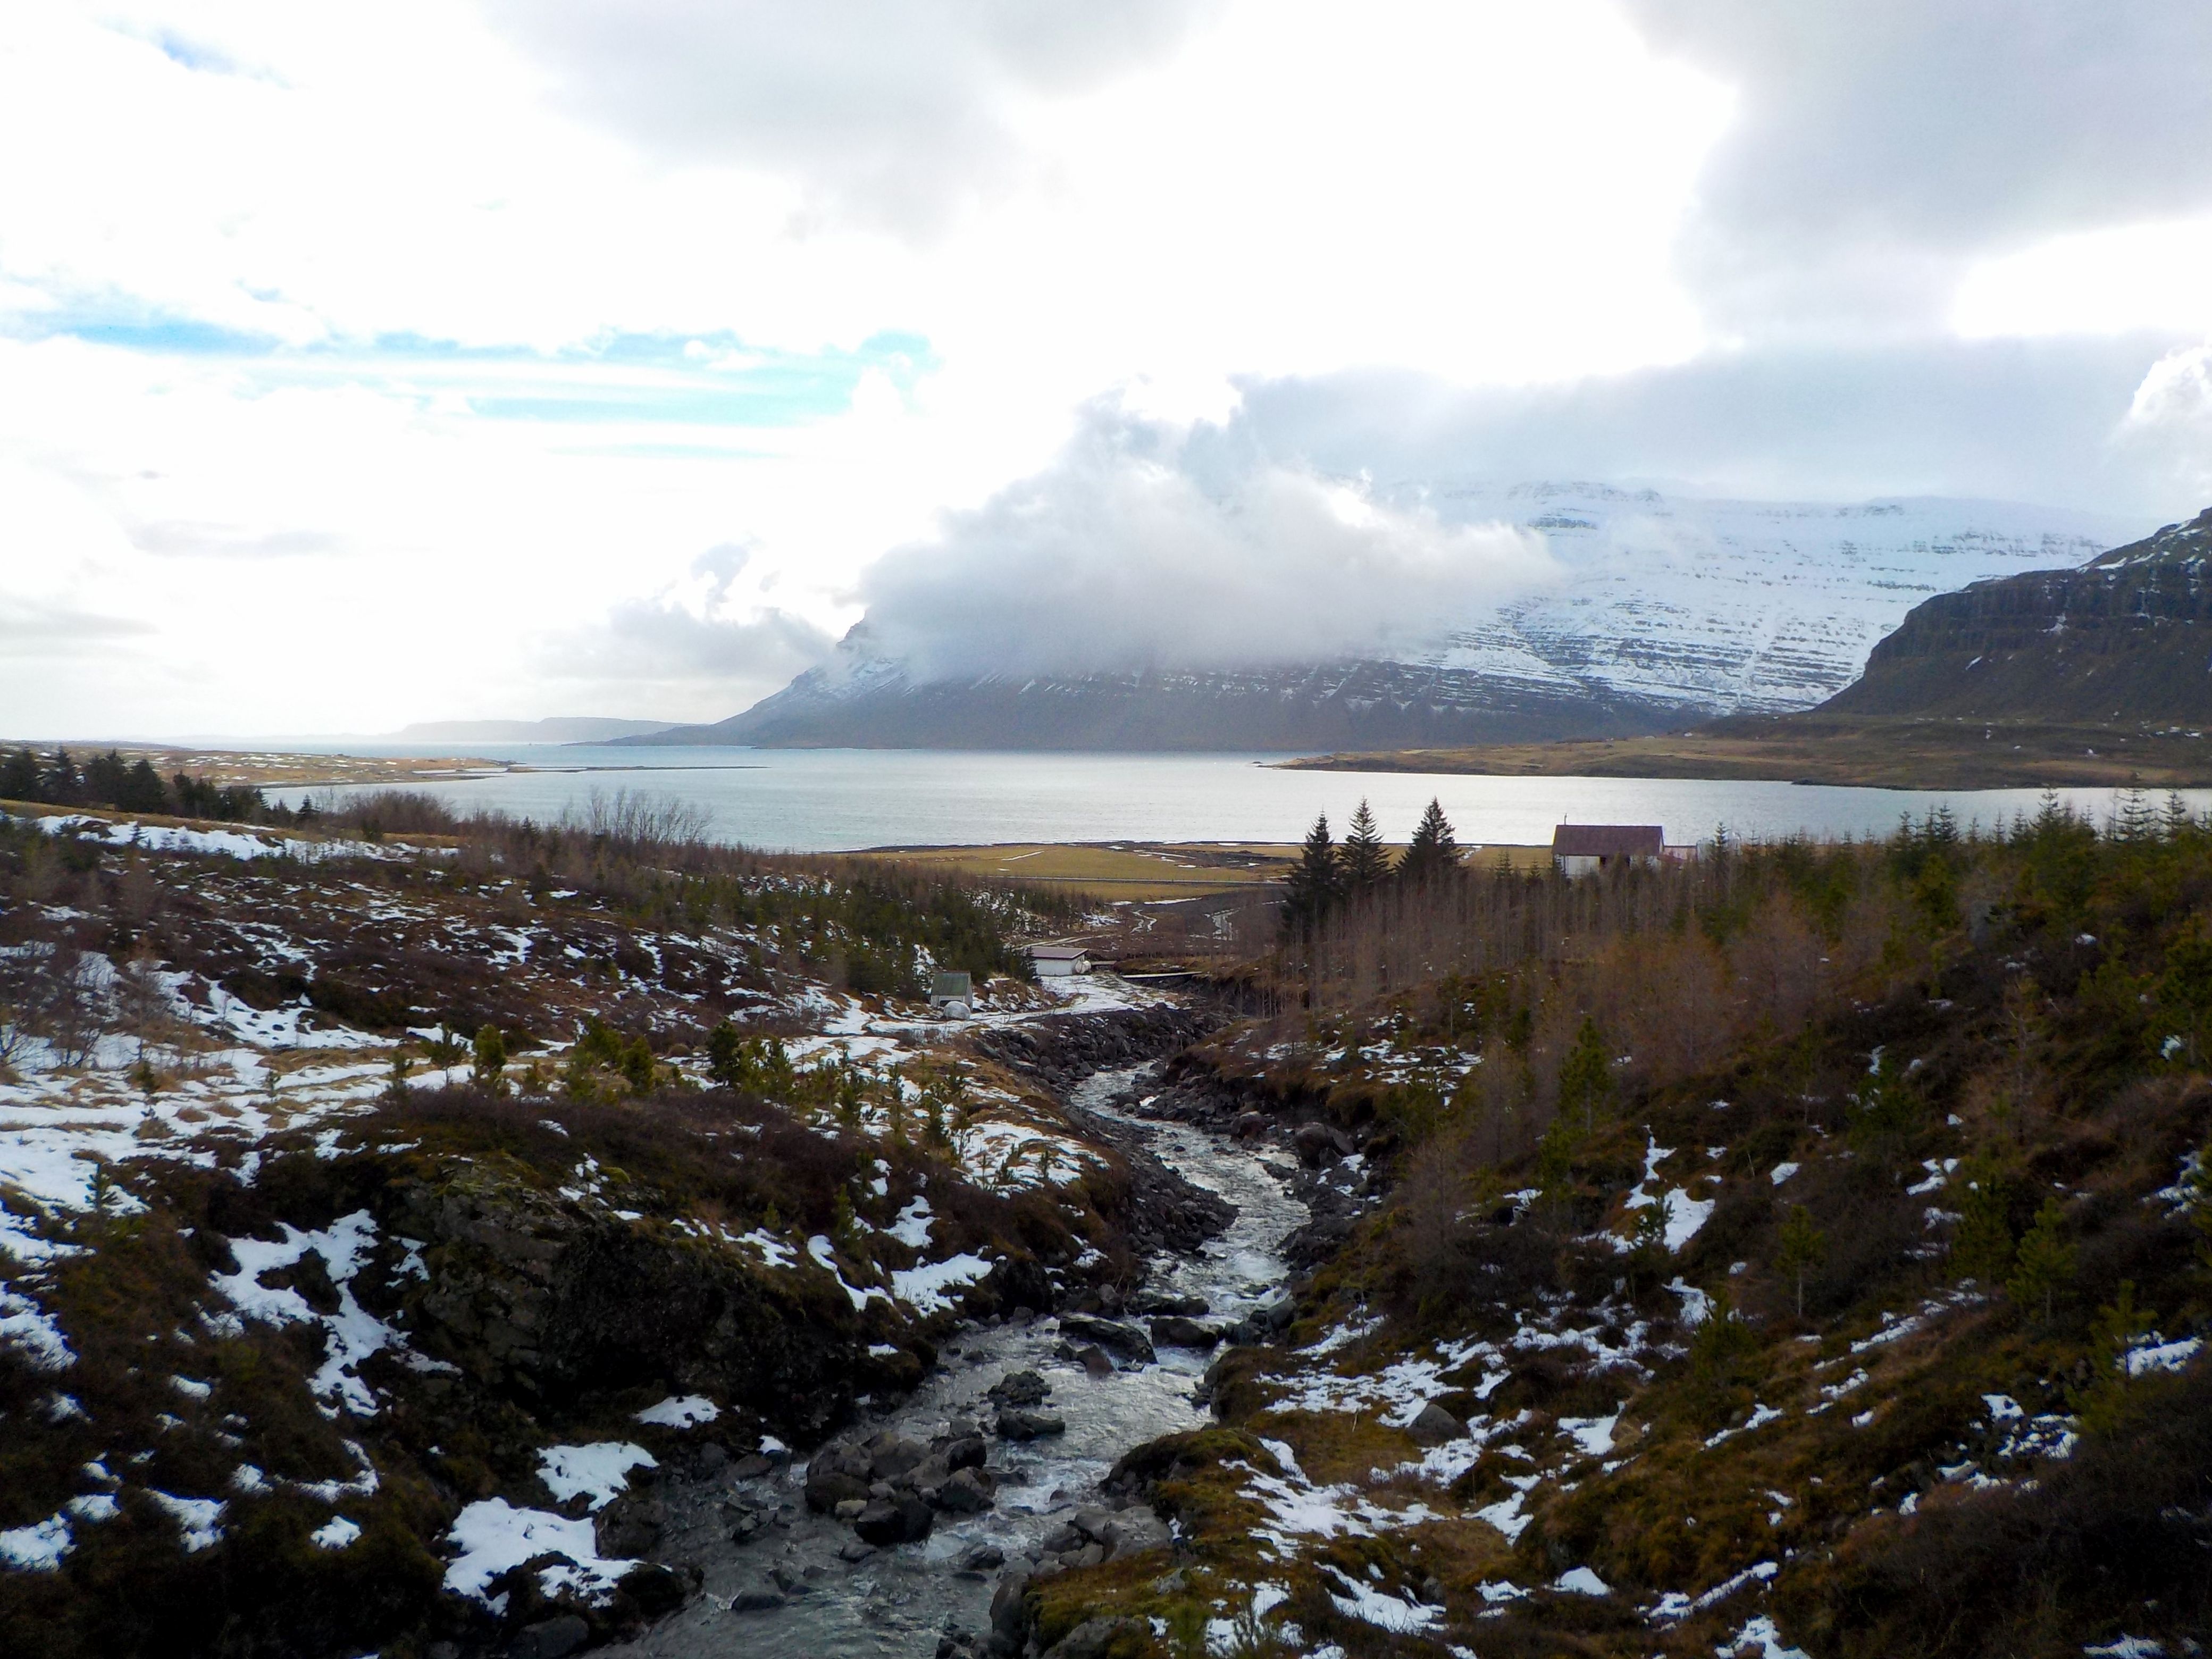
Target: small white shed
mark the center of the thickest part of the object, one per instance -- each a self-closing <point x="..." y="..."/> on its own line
<point x="951" y="993"/>
<point x="1059" y="961"/>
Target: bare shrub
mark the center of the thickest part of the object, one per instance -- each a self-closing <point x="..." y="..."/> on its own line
<point x="638" y="819"/>
<point x="69" y="998"/>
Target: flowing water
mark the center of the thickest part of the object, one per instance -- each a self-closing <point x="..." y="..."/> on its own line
<point x="896" y="1600"/>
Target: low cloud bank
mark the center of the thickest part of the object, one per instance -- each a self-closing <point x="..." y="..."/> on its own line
<point x="1137" y="550"/>
<point x="693" y="650"/>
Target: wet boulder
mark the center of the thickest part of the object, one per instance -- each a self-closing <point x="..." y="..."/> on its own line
<point x="968" y="1492"/>
<point x="1020" y="1388"/>
<point x="967" y="1452"/>
<point x="1190" y="1307"/>
<point x="904" y="1519"/>
<point x="1022" y="1423"/>
<point x="892" y="1457"/>
<point x="836" y="1474"/>
<point x="1176" y="1331"/>
<point x="1010" y="1610"/>
<point x="1112" y="1336"/>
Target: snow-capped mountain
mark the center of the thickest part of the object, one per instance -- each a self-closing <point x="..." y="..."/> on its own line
<point x="1663" y="610"/>
<point x="1726" y="606"/>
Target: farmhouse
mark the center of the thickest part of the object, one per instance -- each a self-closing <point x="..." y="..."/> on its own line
<point x="1583" y="850"/>
<point x="1059" y="961"/>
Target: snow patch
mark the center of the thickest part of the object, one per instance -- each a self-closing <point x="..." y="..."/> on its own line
<point x="924" y="1288"/>
<point x="601" y="1470"/>
<point x="687" y="1411"/>
<point x="494" y="1537"/>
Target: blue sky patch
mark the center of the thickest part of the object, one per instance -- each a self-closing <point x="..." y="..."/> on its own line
<point x="715" y="379"/>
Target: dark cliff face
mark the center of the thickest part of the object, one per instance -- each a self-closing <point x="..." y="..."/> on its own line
<point x="2128" y="636"/>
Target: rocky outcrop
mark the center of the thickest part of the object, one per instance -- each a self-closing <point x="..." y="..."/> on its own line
<point x="543" y="1299"/>
<point x="2127" y="637"/>
<point x="1060" y="1050"/>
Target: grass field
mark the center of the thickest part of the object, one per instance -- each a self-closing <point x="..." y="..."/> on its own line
<point x="278" y="768"/>
<point x="1881" y="752"/>
<point x="1138" y="871"/>
<point x="1114" y="870"/>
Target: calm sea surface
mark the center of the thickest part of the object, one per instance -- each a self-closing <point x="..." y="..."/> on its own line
<point x="837" y="799"/>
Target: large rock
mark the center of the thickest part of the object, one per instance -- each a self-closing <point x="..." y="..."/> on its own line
<point x="903" y="1519"/>
<point x="892" y="1457"/>
<point x="836" y="1474"/>
<point x="1435" y="1425"/>
<point x="1110" y="1334"/>
<point x="1020" y="1388"/>
<point x="1009" y="1609"/>
<point x="529" y="1295"/>
<point x="967" y="1452"/>
<point x="1022" y="1423"/>
<point x="1177" y="1332"/>
<point x="965" y="1493"/>
<point x="1319" y="1142"/>
<point x="1195" y="1307"/>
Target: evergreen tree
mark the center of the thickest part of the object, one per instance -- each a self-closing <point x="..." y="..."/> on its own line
<point x="2044" y="1266"/>
<point x="2185" y="989"/>
<point x="1363" y="859"/>
<point x="1586" y="1076"/>
<point x="1434" y="848"/>
<point x="1981" y="1244"/>
<point x="490" y="1060"/>
<point x="726" y="1056"/>
<point x="141" y="789"/>
<point x="1314" y="884"/>
<point x="60" y="784"/>
<point x="19" y="776"/>
<point x="1803" y="1246"/>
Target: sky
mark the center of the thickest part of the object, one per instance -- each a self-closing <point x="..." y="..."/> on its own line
<point x="509" y="358"/>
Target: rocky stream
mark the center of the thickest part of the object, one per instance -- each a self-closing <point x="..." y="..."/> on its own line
<point x="902" y="1535"/>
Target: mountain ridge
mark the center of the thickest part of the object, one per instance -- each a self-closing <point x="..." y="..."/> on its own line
<point x="1668" y="611"/>
<point x="2126" y="636"/>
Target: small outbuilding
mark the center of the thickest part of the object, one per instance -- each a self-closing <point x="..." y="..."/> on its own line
<point x="1059" y="961"/>
<point x="1584" y="849"/>
<point x="951" y="993"/>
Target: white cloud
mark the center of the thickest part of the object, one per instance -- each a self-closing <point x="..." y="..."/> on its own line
<point x="2105" y="281"/>
<point x="1122" y="555"/>
<point x="1882" y="146"/>
<point x="894" y="112"/>
<point x="217" y="217"/>
<point x="2171" y="416"/>
<point x="704" y="646"/>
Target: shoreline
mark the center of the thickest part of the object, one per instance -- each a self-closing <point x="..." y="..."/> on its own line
<point x="1833" y="750"/>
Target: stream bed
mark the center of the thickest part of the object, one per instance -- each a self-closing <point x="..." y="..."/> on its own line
<point x="802" y="1585"/>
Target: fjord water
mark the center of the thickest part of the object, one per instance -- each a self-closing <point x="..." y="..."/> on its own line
<point x="820" y="800"/>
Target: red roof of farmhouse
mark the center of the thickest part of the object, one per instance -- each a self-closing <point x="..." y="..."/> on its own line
<point x="1608" y="841"/>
